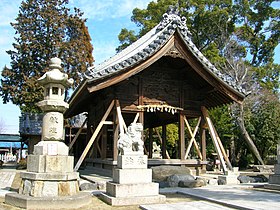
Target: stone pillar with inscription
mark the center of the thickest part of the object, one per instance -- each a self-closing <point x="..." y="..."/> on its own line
<point x="132" y="180"/>
<point x="50" y="181"/>
<point x="274" y="179"/>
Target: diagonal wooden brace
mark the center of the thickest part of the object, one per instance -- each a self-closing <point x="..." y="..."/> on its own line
<point x="192" y="134"/>
<point x="94" y="135"/>
<point x="77" y="135"/>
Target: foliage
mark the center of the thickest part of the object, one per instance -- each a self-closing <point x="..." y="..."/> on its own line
<point x="172" y="137"/>
<point x="268" y="76"/>
<point x="44" y="29"/>
<point x="263" y="119"/>
<point x="224" y="123"/>
<point x="259" y="28"/>
<point x="239" y="37"/>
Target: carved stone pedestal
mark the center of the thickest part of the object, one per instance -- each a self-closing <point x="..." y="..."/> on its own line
<point x="230" y="178"/>
<point x="274" y="180"/>
<point x="132" y="183"/>
<point x="49" y="182"/>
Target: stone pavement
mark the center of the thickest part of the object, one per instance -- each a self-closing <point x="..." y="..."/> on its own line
<point x="194" y="205"/>
<point x="232" y="196"/>
<point x="209" y="197"/>
<point x="6" y="180"/>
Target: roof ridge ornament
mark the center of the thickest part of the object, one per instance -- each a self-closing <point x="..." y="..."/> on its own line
<point x="174" y="9"/>
<point x="172" y="17"/>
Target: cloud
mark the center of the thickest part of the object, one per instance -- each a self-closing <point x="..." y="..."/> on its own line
<point x="103" y="50"/>
<point x="6" y="40"/>
<point x="100" y="9"/>
<point x="8" y="11"/>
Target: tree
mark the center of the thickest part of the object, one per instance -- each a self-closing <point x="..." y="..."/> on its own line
<point x="207" y="21"/>
<point x="259" y="29"/>
<point x="44" y="29"/>
<point x="239" y="36"/>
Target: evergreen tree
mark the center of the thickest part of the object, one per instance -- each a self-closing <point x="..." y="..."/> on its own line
<point x="44" y="29"/>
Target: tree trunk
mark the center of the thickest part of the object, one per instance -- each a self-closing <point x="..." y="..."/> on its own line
<point x="246" y="136"/>
<point x="232" y="152"/>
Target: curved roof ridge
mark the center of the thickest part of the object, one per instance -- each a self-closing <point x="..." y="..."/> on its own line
<point x="148" y="44"/>
<point x="122" y="55"/>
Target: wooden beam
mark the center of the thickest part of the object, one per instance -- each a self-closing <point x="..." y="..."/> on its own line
<point x="223" y="150"/>
<point x="136" y="117"/>
<point x="141" y="102"/>
<point x="222" y="147"/>
<point x="203" y="141"/>
<point x="115" y="137"/>
<point x="206" y="75"/>
<point x="214" y="138"/>
<point x="163" y="142"/>
<point x="150" y="143"/>
<point x="108" y="123"/>
<point x="192" y="134"/>
<point x="182" y="142"/>
<point x="104" y="142"/>
<point x="120" y="119"/>
<point x="96" y="145"/>
<point x="77" y="135"/>
<point x="94" y="135"/>
<point x="98" y="149"/>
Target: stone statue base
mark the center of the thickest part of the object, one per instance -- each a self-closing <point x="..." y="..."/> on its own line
<point x="49" y="181"/>
<point x="274" y="180"/>
<point x="132" y="183"/>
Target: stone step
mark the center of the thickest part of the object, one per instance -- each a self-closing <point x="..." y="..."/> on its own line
<point x="132" y="190"/>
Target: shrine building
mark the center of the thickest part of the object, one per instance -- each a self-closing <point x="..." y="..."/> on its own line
<point x="160" y="79"/>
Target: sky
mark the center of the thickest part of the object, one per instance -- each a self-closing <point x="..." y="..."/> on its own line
<point x="105" y="19"/>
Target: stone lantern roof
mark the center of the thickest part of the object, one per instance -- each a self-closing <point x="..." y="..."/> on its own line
<point x="54" y="82"/>
<point x="55" y="76"/>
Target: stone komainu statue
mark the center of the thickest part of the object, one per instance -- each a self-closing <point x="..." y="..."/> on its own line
<point x="131" y="141"/>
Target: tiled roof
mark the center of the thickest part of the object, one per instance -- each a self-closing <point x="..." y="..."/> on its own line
<point x="9" y="137"/>
<point x="149" y="44"/>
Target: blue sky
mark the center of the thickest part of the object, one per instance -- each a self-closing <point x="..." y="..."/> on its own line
<point x="105" y="20"/>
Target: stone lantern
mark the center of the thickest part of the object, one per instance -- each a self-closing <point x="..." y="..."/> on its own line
<point x="50" y="179"/>
<point x="53" y="105"/>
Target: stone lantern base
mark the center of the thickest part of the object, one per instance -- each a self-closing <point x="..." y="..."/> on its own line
<point x="78" y="201"/>
<point x="50" y="182"/>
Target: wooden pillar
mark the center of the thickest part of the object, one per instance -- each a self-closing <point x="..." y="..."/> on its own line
<point x="203" y="141"/>
<point x="150" y="143"/>
<point x="21" y="148"/>
<point x="104" y="142"/>
<point x="95" y="144"/>
<point x="140" y="102"/>
<point x="182" y="143"/>
<point x="163" y="147"/>
<point x="115" y="136"/>
<point x="182" y="147"/>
